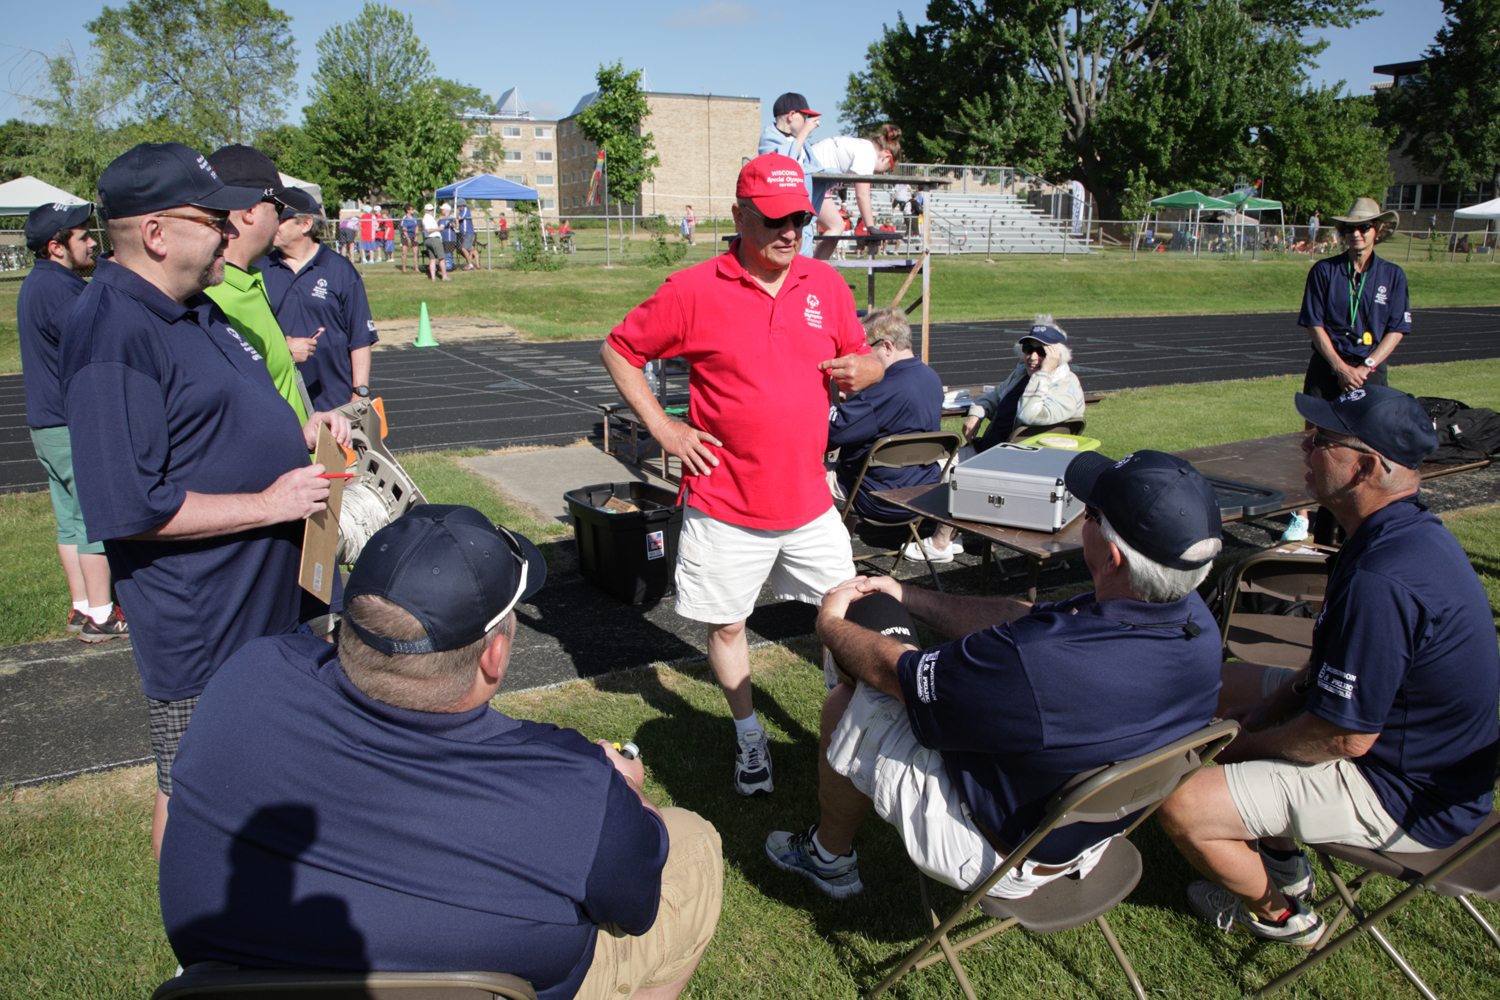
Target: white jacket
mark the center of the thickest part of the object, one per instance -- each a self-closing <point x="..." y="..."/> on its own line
<point x="1049" y="398"/>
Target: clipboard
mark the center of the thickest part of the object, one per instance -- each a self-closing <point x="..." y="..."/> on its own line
<point x="320" y="536"/>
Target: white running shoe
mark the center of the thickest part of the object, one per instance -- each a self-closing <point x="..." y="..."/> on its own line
<point x="796" y="852"/>
<point x="1296" y="529"/>
<point x="1221" y="908"/>
<point x="915" y="550"/>
<point x="752" y="764"/>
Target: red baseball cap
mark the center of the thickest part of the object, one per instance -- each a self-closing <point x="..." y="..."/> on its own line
<point x="775" y="185"/>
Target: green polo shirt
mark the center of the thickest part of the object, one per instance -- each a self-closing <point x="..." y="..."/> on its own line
<point x="242" y="296"/>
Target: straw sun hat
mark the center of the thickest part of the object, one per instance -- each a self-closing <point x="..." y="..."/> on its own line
<point x="1366" y="210"/>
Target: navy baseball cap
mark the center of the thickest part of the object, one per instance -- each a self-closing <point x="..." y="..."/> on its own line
<point x="296" y="201"/>
<point x="1158" y="503"/>
<point x="46" y="221"/>
<point x="246" y="166"/>
<point x="1047" y="335"/>
<point x="789" y="102"/>
<point x="1386" y="419"/>
<point x="155" y="176"/>
<point x="457" y="573"/>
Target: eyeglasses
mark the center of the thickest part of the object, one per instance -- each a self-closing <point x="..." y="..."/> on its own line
<point x="1358" y="227"/>
<point x="1092" y="514"/>
<point x="1319" y="440"/>
<point x="796" y="219"/>
<point x="219" y="222"/>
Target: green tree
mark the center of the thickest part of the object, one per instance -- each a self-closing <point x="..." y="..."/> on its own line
<point x="1324" y="151"/>
<point x="82" y="133"/>
<point x="1450" y="116"/>
<point x="220" y="71"/>
<point x="612" y="122"/>
<point x="1119" y="94"/>
<point x="430" y="155"/>
<point x="294" y="152"/>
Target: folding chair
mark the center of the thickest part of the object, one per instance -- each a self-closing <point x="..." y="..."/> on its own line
<point x="1105" y="794"/>
<point x="1074" y="426"/>
<point x="1288" y="572"/>
<point x="1469" y="868"/>
<point x="217" y="979"/>
<point x="900" y="451"/>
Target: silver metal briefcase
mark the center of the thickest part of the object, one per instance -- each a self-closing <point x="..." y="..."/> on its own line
<point x="1017" y="485"/>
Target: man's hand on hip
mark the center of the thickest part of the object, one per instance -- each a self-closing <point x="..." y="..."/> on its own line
<point x="296" y="495"/>
<point x="688" y="443"/>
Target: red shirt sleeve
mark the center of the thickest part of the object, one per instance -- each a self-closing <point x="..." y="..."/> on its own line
<point x="654" y="329"/>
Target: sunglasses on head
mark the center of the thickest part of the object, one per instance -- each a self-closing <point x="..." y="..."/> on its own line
<point x="797" y="219"/>
<point x="1092" y="514"/>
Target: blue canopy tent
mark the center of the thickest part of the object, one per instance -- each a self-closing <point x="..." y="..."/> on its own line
<point x="488" y="187"/>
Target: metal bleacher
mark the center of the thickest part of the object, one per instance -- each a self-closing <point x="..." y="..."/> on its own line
<point x="993" y="223"/>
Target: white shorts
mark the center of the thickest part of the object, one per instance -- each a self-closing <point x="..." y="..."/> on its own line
<point x="874" y="747"/>
<point x="721" y="566"/>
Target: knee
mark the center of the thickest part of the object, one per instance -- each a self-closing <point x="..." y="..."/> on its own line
<point x="1176" y="813"/>
<point x="730" y="632"/>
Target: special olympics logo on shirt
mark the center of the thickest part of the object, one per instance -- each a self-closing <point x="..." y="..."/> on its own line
<point x="926" y="682"/>
<point x="320" y="290"/>
<point x="370" y="325"/>
<point x="1352" y="396"/>
<point x="811" y="314"/>
<point x="1380" y="295"/>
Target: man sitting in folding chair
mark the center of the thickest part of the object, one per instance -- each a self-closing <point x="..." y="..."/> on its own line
<point x="908" y="400"/>
<point x="978" y="734"/>
<point x="362" y="807"/>
<point x="1391" y="740"/>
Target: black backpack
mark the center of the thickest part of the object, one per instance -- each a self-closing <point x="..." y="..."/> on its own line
<point x="1465" y="434"/>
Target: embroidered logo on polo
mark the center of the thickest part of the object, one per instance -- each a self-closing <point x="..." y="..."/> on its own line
<point x="370" y="324"/>
<point x="1380" y="295"/>
<point x="244" y="343"/>
<point x="1352" y="396"/>
<point x="926" y="682"/>
<point x="320" y="290"/>
<point x="811" y="314"/>
<point x="1408" y="317"/>
<point x="1337" y="682"/>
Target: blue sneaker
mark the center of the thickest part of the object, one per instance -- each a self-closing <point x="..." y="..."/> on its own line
<point x="1296" y="529"/>
<point x="795" y="852"/>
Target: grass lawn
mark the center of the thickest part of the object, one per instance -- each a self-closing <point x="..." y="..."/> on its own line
<point x="78" y="912"/>
<point x="585" y="300"/>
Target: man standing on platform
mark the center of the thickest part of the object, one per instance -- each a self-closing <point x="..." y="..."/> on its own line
<point x="191" y="468"/>
<point x="59" y="236"/>
<point x="242" y="295"/>
<point x="319" y="299"/>
<point x="765" y="331"/>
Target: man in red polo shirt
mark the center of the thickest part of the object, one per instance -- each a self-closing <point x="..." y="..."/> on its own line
<point x="765" y="331"/>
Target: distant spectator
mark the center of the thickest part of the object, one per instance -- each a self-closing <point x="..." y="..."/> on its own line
<point x="900" y="195"/>
<point x="432" y="242"/>
<point x="387" y="236"/>
<point x="844" y="154"/>
<point x="1313" y="225"/>
<point x="793" y="123"/>
<point x="465" y="225"/>
<point x="367" y="234"/>
<point x="450" y="234"/>
<point x="689" y="221"/>
<point x="349" y="235"/>
<point x="411" y="237"/>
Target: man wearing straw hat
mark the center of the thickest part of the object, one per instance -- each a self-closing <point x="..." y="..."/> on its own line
<point x="1355" y="307"/>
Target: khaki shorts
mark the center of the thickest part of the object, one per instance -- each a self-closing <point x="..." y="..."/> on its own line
<point x="692" y="892"/>
<point x="874" y="747"/>
<point x="1327" y="803"/>
<point x="721" y="566"/>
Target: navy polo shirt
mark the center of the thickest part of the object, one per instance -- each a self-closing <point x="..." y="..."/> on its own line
<point x="42" y="306"/>
<point x="1405" y="647"/>
<point x="315" y="827"/>
<point x="908" y="400"/>
<point x="1383" y="305"/>
<point x="1018" y="710"/>
<point x="410" y="223"/>
<point x="466" y="221"/>
<point x="327" y="292"/>
<point x="164" y="399"/>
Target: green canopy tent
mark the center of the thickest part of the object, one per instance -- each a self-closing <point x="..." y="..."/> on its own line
<point x="1189" y="201"/>
<point x="1246" y="200"/>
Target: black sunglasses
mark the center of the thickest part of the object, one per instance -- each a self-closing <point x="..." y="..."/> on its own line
<point x="1358" y="227"/>
<point x="1033" y="347"/>
<point x="797" y="219"/>
<point x="1092" y="514"/>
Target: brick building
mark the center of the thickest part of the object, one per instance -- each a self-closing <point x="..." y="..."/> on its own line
<point x="701" y="139"/>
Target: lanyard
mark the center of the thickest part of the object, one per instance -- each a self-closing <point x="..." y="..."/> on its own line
<point x="1355" y="294"/>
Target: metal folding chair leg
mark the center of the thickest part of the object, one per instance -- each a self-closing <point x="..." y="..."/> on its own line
<point x="1120" y="956"/>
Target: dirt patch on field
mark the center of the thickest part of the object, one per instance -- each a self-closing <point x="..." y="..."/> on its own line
<point x="448" y="329"/>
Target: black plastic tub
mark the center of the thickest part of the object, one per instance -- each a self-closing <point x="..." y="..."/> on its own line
<point x="631" y="555"/>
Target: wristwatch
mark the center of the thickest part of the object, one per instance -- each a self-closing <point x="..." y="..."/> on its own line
<point x="362" y="391"/>
<point x="1370" y="362"/>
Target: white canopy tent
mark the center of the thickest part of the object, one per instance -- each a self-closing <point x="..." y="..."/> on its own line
<point x="313" y="189"/>
<point x="20" y="196"/>
<point x="1485" y="210"/>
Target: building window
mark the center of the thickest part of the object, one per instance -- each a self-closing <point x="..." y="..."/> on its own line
<point x="541" y="133"/>
<point x="511" y="131"/>
<point x="513" y="155"/>
<point x="544" y="180"/>
<point x="1401" y="197"/>
<point x="480" y="128"/>
<point x="549" y="203"/>
<point x="516" y="178"/>
<point x="544" y="156"/>
<point x="1480" y="194"/>
<point x="478" y="154"/>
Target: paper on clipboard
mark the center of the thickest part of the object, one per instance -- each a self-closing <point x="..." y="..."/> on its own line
<point x="320" y="537"/>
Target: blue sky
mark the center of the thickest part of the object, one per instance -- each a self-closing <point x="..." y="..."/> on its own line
<point x="707" y="46"/>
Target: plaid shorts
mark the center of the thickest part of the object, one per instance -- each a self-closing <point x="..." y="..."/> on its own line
<point x="169" y="720"/>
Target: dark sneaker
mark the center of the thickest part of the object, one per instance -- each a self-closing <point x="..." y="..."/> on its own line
<point x="76" y="620"/>
<point x="752" y="764"/>
<point x="795" y="852"/>
<point x="1294" y="876"/>
<point x="1220" y="907"/>
<point x="112" y="628"/>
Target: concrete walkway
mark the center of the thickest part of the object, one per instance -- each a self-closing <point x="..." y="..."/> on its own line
<point x="539" y="478"/>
